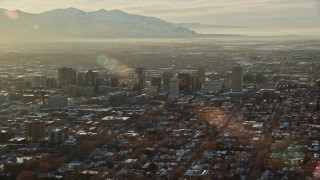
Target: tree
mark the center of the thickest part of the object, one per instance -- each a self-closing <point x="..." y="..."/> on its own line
<point x="29" y="166"/>
<point x="118" y="157"/>
<point x="76" y="154"/>
<point x="110" y="162"/>
<point x="140" y="176"/>
<point x="208" y="145"/>
<point x="143" y="159"/>
<point x="163" y="149"/>
<point x="142" y="144"/>
<point x="276" y="164"/>
<point x="86" y="146"/>
<point x="309" y="166"/>
<point x="236" y="177"/>
<point x="25" y="175"/>
<point x="259" y="162"/>
<point x="175" y="174"/>
<point x="97" y="176"/>
<point x="44" y="167"/>
<point x="137" y="153"/>
<point x="153" y="168"/>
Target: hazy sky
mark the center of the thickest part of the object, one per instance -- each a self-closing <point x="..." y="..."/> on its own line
<point x="287" y="13"/>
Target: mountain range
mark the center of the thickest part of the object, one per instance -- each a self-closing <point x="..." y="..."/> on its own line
<point x="75" y="23"/>
<point x="208" y="26"/>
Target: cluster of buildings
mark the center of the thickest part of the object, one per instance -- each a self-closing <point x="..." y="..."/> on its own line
<point x="69" y="86"/>
<point x="165" y="123"/>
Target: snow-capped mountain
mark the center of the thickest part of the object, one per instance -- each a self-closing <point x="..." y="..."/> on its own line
<point x="75" y="23"/>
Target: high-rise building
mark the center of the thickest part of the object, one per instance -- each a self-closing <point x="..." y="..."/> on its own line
<point x="51" y="83"/>
<point x="141" y="72"/>
<point x="80" y="78"/>
<point x="73" y="91"/>
<point x="156" y="81"/>
<point x="114" y="80"/>
<point x="195" y="83"/>
<point x="173" y="88"/>
<point x="167" y="75"/>
<point x="237" y="79"/>
<point x="58" y="135"/>
<point x="201" y="72"/>
<point x="184" y="82"/>
<point x="67" y="76"/>
<point x="35" y="130"/>
<point x="91" y="78"/>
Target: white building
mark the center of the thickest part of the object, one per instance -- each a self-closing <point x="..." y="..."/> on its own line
<point x="173" y="88"/>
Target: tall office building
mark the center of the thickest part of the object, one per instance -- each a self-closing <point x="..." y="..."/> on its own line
<point x="58" y="135"/>
<point x="35" y="130"/>
<point x="80" y="78"/>
<point x="114" y="80"/>
<point x="167" y="75"/>
<point x="67" y="76"/>
<point x="184" y="82"/>
<point x="73" y="91"/>
<point x="51" y="83"/>
<point x="201" y="72"/>
<point x="91" y="79"/>
<point x="237" y="79"/>
<point x="195" y="83"/>
<point x="173" y="88"/>
<point x="141" y="72"/>
<point x="156" y="81"/>
<point x="103" y="79"/>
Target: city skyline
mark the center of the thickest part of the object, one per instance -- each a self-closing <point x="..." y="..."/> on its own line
<point x="156" y="108"/>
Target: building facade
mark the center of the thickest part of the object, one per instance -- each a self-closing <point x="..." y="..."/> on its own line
<point x="237" y="79"/>
<point x="67" y="76"/>
<point x="174" y="88"/>
<point x="184" y="82"/>
<point x="35" y="130"/>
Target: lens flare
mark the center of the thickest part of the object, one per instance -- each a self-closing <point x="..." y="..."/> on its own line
<point x="123" y="71"/>
<point x="113" y="65"/>
<point x="214" y="116"/>
<point x="102" y="60"/>
<point x="10" y="14"/>
<point x="36" y="27"/>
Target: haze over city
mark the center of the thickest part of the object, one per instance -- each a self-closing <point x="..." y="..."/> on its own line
<point x="160" y="89"/>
